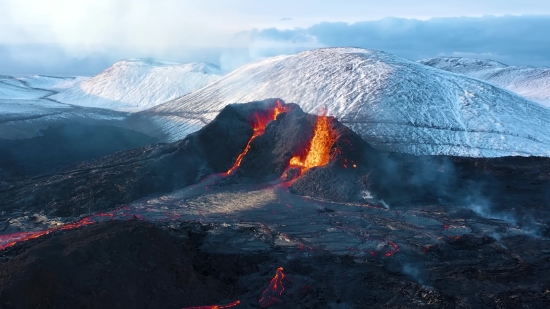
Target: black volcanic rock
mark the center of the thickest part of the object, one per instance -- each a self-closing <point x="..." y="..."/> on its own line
<point x="270" y="152"/>
<point x="61" y="146"/>
<point x="120" y="264"/>
<point x="135" y="264"/>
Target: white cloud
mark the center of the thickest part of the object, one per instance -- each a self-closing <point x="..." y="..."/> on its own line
<point x="151" y="25"/>
<point x="182" y="30"/>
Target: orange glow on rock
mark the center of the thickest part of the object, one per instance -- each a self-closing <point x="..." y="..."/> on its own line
<point x="233" y="304"/>
<point x="318" y="153"/>
<point x="271" y="295"/>
<point x="259" y="122"/>
<point x="393" y="249"/>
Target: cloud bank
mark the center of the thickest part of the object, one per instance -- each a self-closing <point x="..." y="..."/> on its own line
<point x="517" y="40"/>
<point x="66" y="37"/>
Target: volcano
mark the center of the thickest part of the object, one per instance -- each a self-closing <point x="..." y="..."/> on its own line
<point x="266" y="188"/>
<point x="264" y="141"/>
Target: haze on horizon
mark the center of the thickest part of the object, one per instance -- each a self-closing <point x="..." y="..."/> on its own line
<point x="62" y="37"/>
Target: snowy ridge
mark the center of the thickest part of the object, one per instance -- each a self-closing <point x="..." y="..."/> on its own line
<point x="138" y="84"/>
<point x="393" y="103"/>
<point x="25" y="109"/>
<point x="53" y="83"/>
<point x="531" y="83"/>
<point x="13" y="88"/>
<point x="9" y="90"/>
<point x="39" y="84"/>
<point x="28" y="95"/>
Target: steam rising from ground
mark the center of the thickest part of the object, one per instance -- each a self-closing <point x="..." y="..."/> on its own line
<point x="416" y="273"/>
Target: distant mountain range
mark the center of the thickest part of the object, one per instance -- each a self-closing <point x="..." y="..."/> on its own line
<point x="529" y="82"/>
<point x="393" y="103"/>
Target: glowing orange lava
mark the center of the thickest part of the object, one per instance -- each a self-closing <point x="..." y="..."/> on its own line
<point x="393" y="249"/>
<point x="233" y="304"/>
<point x="259" y="122"/>
<point x="9" y="240"/>
<point x="318" y="153"/>
<point x="271" y="295"/>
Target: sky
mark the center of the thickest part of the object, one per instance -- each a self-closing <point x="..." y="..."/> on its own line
<point x="67" y="37"/>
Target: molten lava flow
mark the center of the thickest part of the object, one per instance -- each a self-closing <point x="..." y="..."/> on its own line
<point x="233" y="304"/>
<point x="318" y="153"/>
<point x="259" y="122"/>
<point x="9" y="240"/>
<point x="272" y="294"/>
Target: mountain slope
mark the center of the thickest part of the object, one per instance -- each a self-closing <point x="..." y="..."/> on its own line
<point x="394" y="104"/>
<point x="28" y="95"/>
<point x="54" y="83"/>
<point x="531" y="83"/>
<point x="10" y="89"/>
<point x="137" y="84"/>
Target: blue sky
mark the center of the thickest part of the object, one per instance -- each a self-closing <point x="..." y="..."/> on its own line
<point x="65" y="37"/>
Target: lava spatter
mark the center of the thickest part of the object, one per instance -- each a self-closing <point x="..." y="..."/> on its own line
<point x="259" y="122"/>
<point x="272" y="294"/>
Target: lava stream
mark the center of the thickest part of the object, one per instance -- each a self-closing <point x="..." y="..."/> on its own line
<point x="9" y="240"/>
<point x="259" y="122"/>
<point x="233" y="304"/>
<point x="318" y="153"/>
<point x="271" y="295"/>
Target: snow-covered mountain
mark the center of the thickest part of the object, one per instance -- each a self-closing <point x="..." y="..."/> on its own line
<point x="529" y="82"/>
<point x="393" y="103"/>
<point x="138" y="84"/>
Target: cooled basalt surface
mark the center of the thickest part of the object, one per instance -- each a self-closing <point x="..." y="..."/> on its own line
<point x="179" y="264"/>
<point x="131" y="264"/>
